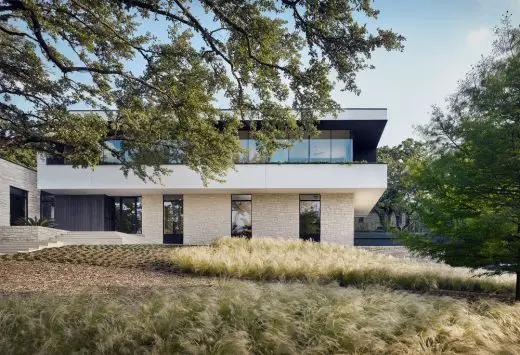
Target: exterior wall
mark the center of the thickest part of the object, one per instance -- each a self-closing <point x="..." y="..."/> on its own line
<point x="276" y="215"/>
<point x="206" y="217"/>
<point x="337" y="218"/>
<point x="152" y="214"/>
<point x="22" y="178"/>
<point x="27" y="233"/>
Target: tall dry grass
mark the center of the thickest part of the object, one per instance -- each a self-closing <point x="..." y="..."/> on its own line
<point x="274" y="259"/>
<point x="246" y="318"/>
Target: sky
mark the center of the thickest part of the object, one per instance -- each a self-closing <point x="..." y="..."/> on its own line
<point x="443" y="39"/>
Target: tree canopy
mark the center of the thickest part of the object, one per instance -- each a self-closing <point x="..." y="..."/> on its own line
<point x="468" y="189"/>
<point x="399" y="196"/>
<point x="163" y="66"/>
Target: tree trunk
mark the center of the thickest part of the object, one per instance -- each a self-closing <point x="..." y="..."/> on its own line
<point x="517" y="293"/>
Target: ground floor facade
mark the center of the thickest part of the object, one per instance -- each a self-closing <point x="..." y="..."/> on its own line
<point x="200" y="218"/>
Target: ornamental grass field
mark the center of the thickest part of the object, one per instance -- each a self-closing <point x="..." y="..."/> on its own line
<point x="282" y="260"/>
<point x="259" y="296"/>
<point x="241" y="317"/>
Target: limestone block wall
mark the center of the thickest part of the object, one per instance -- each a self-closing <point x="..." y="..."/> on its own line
<point x="276" y="215"/>
<point x="28" y="234"/>
<point x="152" y="214"/>
<point x="23" y="178"/>
<point x="206" y="217"/>
<point x="337" y="218"/>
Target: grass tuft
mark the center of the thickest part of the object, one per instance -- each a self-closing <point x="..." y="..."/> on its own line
<point x="285" y="260"/>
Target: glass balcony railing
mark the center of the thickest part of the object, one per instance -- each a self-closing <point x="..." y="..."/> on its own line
<point x="332" y="146"/>
<point x="328" y="147"/>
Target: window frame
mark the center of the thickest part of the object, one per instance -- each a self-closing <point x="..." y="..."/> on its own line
<point x="315" y="237"/>
<point x="173" y="238"/>
<point x="25" y="195"/>
<point x="231" y="215"/>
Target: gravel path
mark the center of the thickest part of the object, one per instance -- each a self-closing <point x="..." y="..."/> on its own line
<point x="36" y="276"/>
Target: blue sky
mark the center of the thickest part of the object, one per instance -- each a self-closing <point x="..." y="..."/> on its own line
<point x="444" y="38"/>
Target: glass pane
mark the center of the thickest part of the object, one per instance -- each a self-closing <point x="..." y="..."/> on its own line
<point x="280" y="156"/>
<point x="341" y="146"/>
<point x="254" y="155"/>
<point x="244" y="143"/>
<point x="108" y="157"/>
<point x="128" y="214"/>
<point x="310" y="217"/>
<point x="241" y="219"/>
<point x="138" y="216"/>
<point x="241" y="197"/>
<point x="17" y="205"/>
<point x="299" y="152"/>
<point x="173" y="217"/>
<point x="320" y="148"/>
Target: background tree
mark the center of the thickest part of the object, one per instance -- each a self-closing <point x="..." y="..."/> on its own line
<point x="399" y="195"/>
<point x="468" y="190"/>
<point x="266" y="58"/>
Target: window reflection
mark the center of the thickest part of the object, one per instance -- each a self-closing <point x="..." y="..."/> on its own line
<point x="241" y="212"/>
<point x="281" y="155"/>
<point x="320" y="148"/>
<point x="310" y="217"/>
<point x="341" y="146"/>
<point x="299" y="152"/>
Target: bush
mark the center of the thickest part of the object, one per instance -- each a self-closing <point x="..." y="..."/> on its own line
<point x="274" y="259"/>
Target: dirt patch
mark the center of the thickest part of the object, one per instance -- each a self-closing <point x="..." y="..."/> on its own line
<point x="26" y="277"/>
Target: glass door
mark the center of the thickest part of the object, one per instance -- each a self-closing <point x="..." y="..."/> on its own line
<point x="173" y="219"/>
<point x="128" y="214"/>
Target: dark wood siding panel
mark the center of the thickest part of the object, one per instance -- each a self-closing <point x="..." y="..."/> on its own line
<point x="80" y="213"/>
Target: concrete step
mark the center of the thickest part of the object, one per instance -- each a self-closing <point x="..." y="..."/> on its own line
<point x="26" y="246"/>
<point x="90" y="238"/>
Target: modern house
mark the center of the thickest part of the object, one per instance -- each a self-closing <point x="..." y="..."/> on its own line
<point x="312" y="190"/>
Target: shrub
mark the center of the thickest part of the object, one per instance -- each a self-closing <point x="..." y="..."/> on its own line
<point x="36" y="221"/>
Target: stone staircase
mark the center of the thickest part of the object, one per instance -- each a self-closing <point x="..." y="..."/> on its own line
<point x="90" y="238"/>
<point x="24" y="246"/>
<point x="72" y="238"/>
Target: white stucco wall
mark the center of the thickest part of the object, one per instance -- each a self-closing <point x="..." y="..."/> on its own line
<point x="23" y="178"/>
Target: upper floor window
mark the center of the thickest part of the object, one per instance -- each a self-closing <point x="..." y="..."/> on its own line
<point x="330" y="146"/>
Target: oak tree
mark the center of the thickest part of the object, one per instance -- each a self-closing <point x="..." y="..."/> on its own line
<point x="159" y="71"/>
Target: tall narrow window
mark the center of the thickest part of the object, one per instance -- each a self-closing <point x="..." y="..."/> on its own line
<point x="310" y="217"/>
<point x="46" y="205"/>
<point x="18" y="205"/>
<point x="173" y="219"/>
<point x="241" y="212"/>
